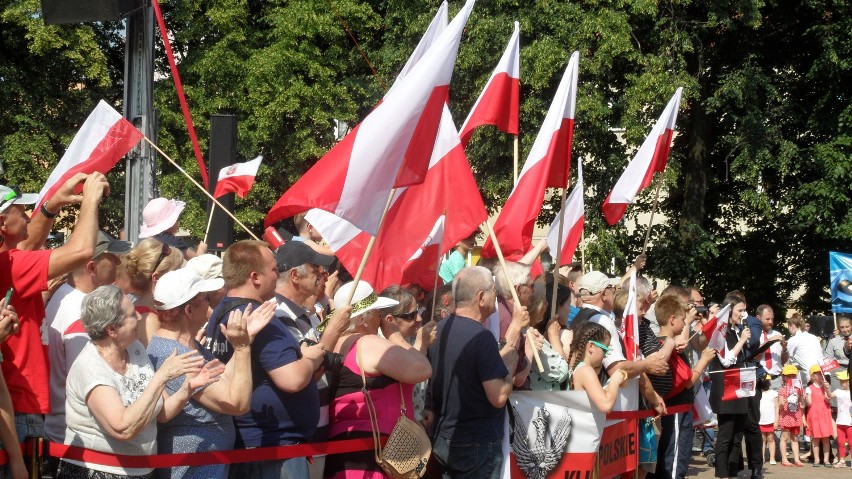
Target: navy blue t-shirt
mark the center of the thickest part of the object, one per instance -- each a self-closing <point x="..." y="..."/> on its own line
<point x="275" y="417"/>
<point x="463" y="356"/>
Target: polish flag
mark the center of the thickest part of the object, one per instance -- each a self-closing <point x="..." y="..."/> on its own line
<point x="630" y="323"/>
<point x="422" y="267"/>
<point x="102" y="141"/>
<point x="575" y="218"/>
<point x="651" y="158"/>
<point x="237" y="178"/>
<point x="739" y="383"/>
<point x="499" y="102"/>
<point x="716" y="330"/>
<point x="390" y="148"/>
<point x="449" y="189"/>
<point x="701" y="410"/>
<point x="435" y="29"/>
<point x="547" y="165"/>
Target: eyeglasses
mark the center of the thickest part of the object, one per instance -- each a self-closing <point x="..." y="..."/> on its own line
<point x="13" y="194"/>
<point x="407" y="316"/>
<point x="604" y="348"/>
<point x="165" y="252"/>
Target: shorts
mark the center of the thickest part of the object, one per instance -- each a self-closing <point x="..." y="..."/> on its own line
<point x="767" y="428"/>
<point x="795" y="430"/>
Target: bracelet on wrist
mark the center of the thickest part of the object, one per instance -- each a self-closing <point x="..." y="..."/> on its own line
<point x="47" y="212"/>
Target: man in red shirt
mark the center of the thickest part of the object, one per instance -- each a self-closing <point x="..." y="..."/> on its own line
<point x="26" y="270"/>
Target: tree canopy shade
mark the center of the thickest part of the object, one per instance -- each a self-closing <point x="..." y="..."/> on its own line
<point x="757" y="185"/>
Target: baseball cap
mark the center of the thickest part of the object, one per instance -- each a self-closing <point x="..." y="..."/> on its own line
<point x="296" y="253"/>
<point x="815" y="369"/>
<point x="11" y="195"/>
<point x="789" y="370"/>
<point x="208" y="266"/>
<point x="594" y="282"/>
<point x="180" y="286"/>
<point x="108" y="244"/>
<point x="843" y="375"/>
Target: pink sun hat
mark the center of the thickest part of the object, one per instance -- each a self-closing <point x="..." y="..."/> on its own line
<point x="159" y="215"/>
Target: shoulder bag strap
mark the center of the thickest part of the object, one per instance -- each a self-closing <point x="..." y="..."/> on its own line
<point x="368" y="401"/>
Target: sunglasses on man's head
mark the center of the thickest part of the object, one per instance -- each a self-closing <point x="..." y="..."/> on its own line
<point x="407" y="316"/>
<point x="165" y="252"/>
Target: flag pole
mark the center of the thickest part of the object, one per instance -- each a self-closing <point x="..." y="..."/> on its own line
<point x="558" y="257"/>
<point x="209" y="222"/>
<point x="651" y="219"/>
<point x="512" y="289"/>
<point x="369" y="249"/>
<point x="204" y="190"/>
<point x="515" y="161"/>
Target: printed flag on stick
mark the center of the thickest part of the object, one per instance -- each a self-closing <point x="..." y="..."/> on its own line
<point x="499" y="102"/>
<point x="390" y="148"/>
<point x="651" y="158"/>
<point x="716" y="330"/>
<point x="102" y="141"/>
<point x="421" y="268"/>
<point x="739" y="383"/>
<point x="237" y="178"/>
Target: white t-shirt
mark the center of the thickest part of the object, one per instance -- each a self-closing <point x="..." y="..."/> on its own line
<point x="767" y="406"/>
<point x="90" y="371"/>
<point x="844" y="403"/>
<point x="66" y="339"/>
<point x="774" y="353"/>
<point x="805" y="350"/>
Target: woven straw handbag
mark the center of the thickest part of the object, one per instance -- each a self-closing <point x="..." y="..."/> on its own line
<point x="407" y="450"/>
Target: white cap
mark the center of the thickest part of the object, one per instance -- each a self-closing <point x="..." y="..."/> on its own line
<point x="594" y="282"/>
<point x="178" y="287"/>
<point x="364" y="298"/>
<point x="208" y="266"/>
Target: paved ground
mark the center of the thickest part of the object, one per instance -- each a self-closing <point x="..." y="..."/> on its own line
<point x="699" y="469"/>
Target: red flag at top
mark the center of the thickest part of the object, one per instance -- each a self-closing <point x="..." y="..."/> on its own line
<point x="651" y="158"/>
<point x="104" y="138"/>
<point x="499" y="102"/>
<point x="237" y="178"/>
<point x="547" y="165"/>
<point x="390" y="148"/>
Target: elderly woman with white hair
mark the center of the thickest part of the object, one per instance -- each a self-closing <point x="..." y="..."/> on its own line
<point x="388" y="366"/>
<point x="113" y="393"/>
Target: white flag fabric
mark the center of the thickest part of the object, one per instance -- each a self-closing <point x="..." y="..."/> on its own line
<point x="575" y="218"/>
<point x="237" y="178"/>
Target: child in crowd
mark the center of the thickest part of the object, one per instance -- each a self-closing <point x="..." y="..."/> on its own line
<point x="768" y="417"/>
<point x="790" y="402"/>
<point x="587" y="355"/>
<point x="819" y="415"/>
<point x="844" y="418"/>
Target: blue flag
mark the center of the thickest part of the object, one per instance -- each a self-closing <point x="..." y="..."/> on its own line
<point x="840" y="272"/>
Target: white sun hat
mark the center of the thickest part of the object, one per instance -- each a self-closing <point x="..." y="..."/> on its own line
<point x="364" y="298"/>
<point x="180" y="286"/>
<point x="159" y="215"/>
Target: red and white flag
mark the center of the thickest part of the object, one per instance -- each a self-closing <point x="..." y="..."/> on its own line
<point x="499" y="102"/>
<point x="422" y="267"/>
<point x="102" y="141"/>
<point x="237" y="178"/>
<point x="630" y="323"/>
<point x="651" y="158"/>
<point x="575" y="218"/>
<point x="449" y="187"/>
<point x="739" y="383"/>
<point x="435" y="29"/>
<point x="716" y="330"/>
<point x="390" y="148"/>
<point x="547" y="165"/>
<point x="701" y="410"/>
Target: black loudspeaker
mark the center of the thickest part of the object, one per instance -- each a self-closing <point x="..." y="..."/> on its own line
<point x="78" y="11"/>
<point x="222" y="153"/>
<point x="822" y="326"/>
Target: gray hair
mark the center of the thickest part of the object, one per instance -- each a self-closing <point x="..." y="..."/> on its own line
<point x="469" y="282"/>
<point x="519" y="274"/>
<point x="643" y="286"/>
<point x="101" y="309"/>
<point x="403" y="296"/>
<point x="284" y="277"/>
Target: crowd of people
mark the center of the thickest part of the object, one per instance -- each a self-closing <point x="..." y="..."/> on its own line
<point x="157" y="347"/>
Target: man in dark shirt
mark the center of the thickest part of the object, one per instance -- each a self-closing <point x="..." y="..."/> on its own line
<point x="471" y="380"/>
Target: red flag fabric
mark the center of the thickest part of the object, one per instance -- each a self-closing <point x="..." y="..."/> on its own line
<point x="575" y="218"/>
<point x="546" y="165"/>
<point x="651" y="158"/>
<point x="237" y="178"/>
<point x="449" y="187"/>
<point x="739" y="383"/>
<point x="390" y="148"/>
<point x="716" y="330"/>
<point x="630" y="323"/>
<point x="422" y="267"/>
<point x="104" y="138"/>
<point x="499" y="102"/>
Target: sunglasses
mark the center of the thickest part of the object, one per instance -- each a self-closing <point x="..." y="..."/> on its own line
<point x="604" y="348"/>
<point x="407" y="316"/>
<point x="10" y="197"/>
<point x="165" y="252"/>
